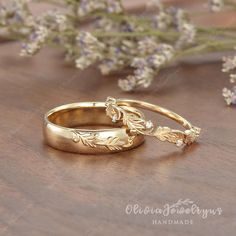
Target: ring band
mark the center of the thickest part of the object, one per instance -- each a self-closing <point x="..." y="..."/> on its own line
<point x="63" y="129"/>
<point x="125" y="110"/>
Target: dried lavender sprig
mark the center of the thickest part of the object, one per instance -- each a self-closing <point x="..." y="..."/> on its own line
<point x="115" y="46"/>
<point x="90" y="50"/>
<point x="229" y="66"/>
<point x="147" y="67"/>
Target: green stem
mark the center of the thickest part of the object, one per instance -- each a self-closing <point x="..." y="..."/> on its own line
<point x="135" y="34"/>
<point x="216" y="46"/>
<point x="169" y="35"/>
<point x="217" y="30"/>
<point x="53" y="2"/>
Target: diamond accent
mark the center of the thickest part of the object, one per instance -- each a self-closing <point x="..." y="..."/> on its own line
<point x="114" y="118"/>
<point x="179" y="143"/>
<point x="149" y="124"/>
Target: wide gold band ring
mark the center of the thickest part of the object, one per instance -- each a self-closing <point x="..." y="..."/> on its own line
<point x="126" y="111"/>
<point x="66" y="128"/>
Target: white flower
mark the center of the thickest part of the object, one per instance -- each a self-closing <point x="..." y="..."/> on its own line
<point x="147" y="45"/>
<point x="127" y="84"/>
<point x="164" y="53"/>
<point x="144" y="76"/>
<point x="166" y="50"/>
<point x="90" y="50"/>
<point x="156" y="60"/>
<point x="61" y="20"/>
<point x="230" y="96"/>
<point x="232" y="78"/>
<point x="85" y="61"/>
<point x="109" y="65"/>
<point x="139" y="62"/>
<point x="114" y="6"/>
<point x="85" y="7"/>
<point x="162" y="20"/>
<point x="216" y="5"/>
<point x="229" y="63"/>
<point x="188" y="33"/>
<point x="179" y="17"/>
<point x="37" y="39"/>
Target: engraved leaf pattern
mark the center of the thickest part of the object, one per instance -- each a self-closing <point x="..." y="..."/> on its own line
<point x="167" y="134"/>
<point x="130" y="117"/>
<point x="113" y="143"/>
<point x="134" y="122"/>
<point x="130" y="141"/>
<point x="92" y="140"/>
<point x="86" y="138"/>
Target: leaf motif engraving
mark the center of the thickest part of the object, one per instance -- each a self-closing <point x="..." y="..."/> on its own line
<point x="113" y="143"/>
<point x="167" y="134"/>
<point x="93" y="140"/>
<point x="130" y="116"/>
<point x="86" y="138"/>
<point x="130" y="141"/>
<point x="134" y="122"/>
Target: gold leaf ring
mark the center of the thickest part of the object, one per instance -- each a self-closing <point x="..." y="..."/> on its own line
<point x="125" y="110"/>
<point x="84" y="128"/>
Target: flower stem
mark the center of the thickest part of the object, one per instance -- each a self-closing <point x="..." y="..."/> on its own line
<point x="211" y="46"/>
<point x="135" y="34"/>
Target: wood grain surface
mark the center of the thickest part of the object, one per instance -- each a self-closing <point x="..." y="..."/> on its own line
<point x="48" y="192"/>
<point x="45" y="192"/>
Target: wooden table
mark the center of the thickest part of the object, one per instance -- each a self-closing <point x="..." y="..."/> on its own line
<point x="49" y="192"/>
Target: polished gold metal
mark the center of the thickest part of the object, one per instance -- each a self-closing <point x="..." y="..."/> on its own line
<point x="125" y="110"/>
<point x="65" y="128"/>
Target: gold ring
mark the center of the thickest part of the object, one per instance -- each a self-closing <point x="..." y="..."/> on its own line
<point x="125" y="110"/>
<point x="65" y="128"/>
